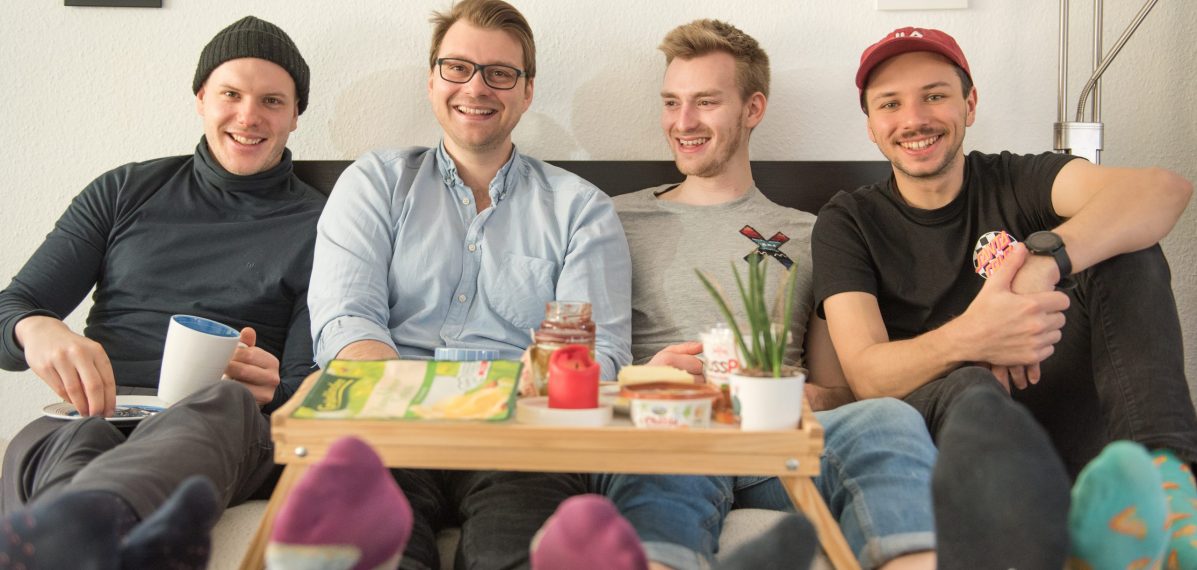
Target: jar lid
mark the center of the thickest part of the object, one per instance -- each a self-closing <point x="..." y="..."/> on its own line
<point x="465" y="354"/>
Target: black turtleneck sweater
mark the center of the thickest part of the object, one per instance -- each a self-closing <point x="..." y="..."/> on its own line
<point x="178" y="235"/>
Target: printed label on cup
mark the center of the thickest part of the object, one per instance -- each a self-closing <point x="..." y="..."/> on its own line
<point x="720" y="353"/>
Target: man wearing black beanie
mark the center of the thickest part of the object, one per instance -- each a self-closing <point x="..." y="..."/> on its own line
<point x="225" y="233"/>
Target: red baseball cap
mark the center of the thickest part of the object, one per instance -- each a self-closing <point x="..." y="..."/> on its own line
<point x="904" y="40"/>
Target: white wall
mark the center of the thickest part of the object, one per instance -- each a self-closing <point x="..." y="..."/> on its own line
<point x="86" y="89"/>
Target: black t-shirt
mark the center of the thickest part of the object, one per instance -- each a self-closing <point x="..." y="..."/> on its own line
<point x="926" y="266"/>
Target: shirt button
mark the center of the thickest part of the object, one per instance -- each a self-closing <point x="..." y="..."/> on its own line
<point x="461" y="298"/>
<point x="472" y="247"/>
<point x="465" y="201"/>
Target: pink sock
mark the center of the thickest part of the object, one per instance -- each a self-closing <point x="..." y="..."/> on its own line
<point x="345" y="512"/>
<point x="587" y="533"/>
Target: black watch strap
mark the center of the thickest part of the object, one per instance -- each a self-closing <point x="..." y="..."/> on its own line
<point x="1049" y="244"/>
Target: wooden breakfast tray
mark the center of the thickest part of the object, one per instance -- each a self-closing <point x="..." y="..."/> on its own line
<point x="792" y="455"/>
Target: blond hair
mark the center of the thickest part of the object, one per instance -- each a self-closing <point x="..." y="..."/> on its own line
<point x="488" y="15"/>
<point x="702" y="37"/>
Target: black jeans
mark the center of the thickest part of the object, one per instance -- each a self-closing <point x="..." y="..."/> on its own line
<point x="1117" y="373"/>
<point x="218" y="432"/>
<point x="498" y="512"/>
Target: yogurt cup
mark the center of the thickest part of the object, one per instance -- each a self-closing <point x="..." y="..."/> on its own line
<point x="669" y="405"/>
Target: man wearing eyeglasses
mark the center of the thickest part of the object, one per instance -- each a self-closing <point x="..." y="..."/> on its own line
<point x="461" y="246"/>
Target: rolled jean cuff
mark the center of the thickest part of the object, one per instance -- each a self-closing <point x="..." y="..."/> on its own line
<point x="880" y="550"/>
<point x="675" y="556"/>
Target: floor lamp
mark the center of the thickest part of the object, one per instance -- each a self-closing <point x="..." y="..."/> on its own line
<point x="1080" y="137"/>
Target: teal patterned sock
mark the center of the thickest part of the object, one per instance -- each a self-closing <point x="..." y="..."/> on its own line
<point x="1118" y="511"/>
<point x="1181" y="525"/>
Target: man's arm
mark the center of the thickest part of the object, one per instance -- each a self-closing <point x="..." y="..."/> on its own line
<point x="1112" y="211"/>
<point x="999" y="327"/>
<point x="1109" y="211"/>
<point x="349" y="291"/>
<point x="598" y="268"/>
<point x="368" y="350"/>
<point x="49" y="286"/>
<point x="826" y="388"/>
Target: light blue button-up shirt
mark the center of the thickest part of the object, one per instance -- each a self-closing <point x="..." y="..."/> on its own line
<point x="403" y="257"/>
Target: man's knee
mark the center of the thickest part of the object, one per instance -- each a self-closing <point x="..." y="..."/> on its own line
<point x="94" y="432"/>
<point x="968" y="377"/>
<point x="1144" y="266"/>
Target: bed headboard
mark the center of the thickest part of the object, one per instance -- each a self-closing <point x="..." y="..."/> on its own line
<point x="798" y="184"/>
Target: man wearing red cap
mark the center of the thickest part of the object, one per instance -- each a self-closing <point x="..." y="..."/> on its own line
<point x="1034" y="275"/>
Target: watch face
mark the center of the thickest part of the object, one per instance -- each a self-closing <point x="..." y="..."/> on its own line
<point x="1043" y="242"/>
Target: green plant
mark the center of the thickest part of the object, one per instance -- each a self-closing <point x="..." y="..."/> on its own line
<point x="769" y="330"/>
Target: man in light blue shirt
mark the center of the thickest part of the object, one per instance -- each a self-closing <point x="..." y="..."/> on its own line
<point x="411" y="257"/>
<point x="461" y="246"/>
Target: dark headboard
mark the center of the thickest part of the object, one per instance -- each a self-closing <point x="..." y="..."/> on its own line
<point x="803" y="185"/>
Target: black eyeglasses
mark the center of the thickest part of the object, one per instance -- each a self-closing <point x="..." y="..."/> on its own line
<point x="496" y="76"/>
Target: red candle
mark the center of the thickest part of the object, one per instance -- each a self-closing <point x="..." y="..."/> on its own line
<point x="573" y="378"/>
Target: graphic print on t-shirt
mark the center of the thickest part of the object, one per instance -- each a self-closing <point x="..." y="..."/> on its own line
<point x="990" y="252"/>
<point x="770" y="247"/>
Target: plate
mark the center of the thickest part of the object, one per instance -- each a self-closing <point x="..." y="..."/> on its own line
<point x="129" y="409"/>
<point x="609" y="396"/>
<point x="536" y="410"/>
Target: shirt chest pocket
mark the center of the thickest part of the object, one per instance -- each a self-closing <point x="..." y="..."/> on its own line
<point x="519" y="288"/>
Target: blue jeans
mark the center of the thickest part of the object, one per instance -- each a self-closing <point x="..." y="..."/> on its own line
<point x="875" y="477"/>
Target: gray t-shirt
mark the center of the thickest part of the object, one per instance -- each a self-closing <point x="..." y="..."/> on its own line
<point x="669" y="241"/>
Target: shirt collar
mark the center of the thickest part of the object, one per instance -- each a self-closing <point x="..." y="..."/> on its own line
<point x="499" y="186"/>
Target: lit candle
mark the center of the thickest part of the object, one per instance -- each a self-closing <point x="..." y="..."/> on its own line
<point x="573" y="378"/>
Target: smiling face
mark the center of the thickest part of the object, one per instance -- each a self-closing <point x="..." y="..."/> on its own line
<point x="477" y="118"/>
<point x="703" y="115"/>
<point x="918" y="114"/>
<point x="249" y="109"/>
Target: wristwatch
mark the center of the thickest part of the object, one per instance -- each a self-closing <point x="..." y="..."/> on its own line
<point x="1050" y="244"/>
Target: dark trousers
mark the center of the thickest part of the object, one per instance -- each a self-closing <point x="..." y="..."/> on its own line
<point x="1117" y="373"/>
<point x="498" y="512"/>
<point x="218" y="432"/>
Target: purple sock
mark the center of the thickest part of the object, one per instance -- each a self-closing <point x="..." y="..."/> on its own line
<point x="587" y="533"/>
<point x="345" y="512"/>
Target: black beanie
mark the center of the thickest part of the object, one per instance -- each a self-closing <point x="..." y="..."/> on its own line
<point x="251" y="37"/>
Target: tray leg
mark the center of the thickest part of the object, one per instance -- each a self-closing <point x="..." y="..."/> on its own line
<point x="255" y="555"/>
<point x="806" y="497"/>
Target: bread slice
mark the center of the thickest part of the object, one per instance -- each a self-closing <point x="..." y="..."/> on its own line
<point x="640" y="374"/>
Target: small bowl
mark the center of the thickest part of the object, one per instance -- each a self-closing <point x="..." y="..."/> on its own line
<point x="670" y="405"/>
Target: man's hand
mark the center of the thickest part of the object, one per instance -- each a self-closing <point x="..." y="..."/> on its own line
<point x="75" y="367"/>
<point x="1038" y="274"/>
<point x="1015" y="332"/>
<point x="255" y="368"/>
<point x="683" y="356"/>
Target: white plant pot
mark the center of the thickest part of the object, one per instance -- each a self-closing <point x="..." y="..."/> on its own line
<point x="765" y="404"/>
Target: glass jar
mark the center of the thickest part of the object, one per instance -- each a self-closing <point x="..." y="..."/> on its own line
<point x="565" y="322"/>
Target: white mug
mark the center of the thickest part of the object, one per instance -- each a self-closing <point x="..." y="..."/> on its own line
<point x="196" y="353"/>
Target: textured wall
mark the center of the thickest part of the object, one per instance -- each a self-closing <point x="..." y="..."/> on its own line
<point x="87" y="89"/>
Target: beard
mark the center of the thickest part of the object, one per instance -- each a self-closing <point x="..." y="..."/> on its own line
<point x="715" y="165"/>
<point x="949" y="158"/>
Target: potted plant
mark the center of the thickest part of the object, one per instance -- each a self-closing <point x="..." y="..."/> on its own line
<point x="766" y="392"/>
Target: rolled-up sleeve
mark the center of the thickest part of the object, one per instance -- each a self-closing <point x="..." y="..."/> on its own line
<point x="349" y="293"/>
<point x="598" y="267"/>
